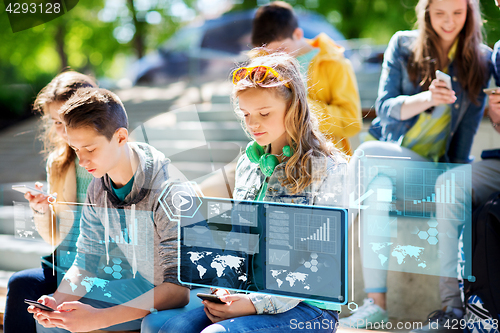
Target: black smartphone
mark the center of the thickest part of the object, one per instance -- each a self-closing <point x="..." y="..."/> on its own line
<point x="210" y="298"/>
<point x="38" y="305"/>
<point x="492" y="153"/>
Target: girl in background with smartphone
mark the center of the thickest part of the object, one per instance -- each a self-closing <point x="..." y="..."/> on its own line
<point x="70" y="181"/>
<point x="418" y="118"/>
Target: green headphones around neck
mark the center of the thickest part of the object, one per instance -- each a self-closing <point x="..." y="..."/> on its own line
<point x="267" y="162"/>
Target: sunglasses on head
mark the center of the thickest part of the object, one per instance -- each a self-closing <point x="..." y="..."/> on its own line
<point x="257" y="74"/>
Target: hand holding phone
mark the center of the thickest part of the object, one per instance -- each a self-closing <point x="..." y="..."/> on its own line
<point x="39" y="305"/>
<point x="445" y="78"/>
<point x="31" y="189"/>
<point x="492" y="91"/>
<point x="39" y="200"/>
<point x="210" y="297"/>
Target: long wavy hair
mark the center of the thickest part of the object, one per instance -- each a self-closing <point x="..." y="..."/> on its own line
<point x="426" y="54"/>
<point x="59" y="90"/>
<point x="301" y="126"/>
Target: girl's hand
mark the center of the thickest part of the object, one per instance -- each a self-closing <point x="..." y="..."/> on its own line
<point x="39" y="203"/>
<point x="494" y="106"/>
<point x="439" y="94"/>
<point x="237" y="305"/>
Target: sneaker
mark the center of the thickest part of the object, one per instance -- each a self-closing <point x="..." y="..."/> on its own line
<point x="442" y="321"/>
<point x="365" y="316"/>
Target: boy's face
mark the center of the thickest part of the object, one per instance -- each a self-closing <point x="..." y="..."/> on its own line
<point x="96" y="154"/>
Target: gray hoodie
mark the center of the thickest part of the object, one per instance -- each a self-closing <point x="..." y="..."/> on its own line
<point x="138" y="226"/>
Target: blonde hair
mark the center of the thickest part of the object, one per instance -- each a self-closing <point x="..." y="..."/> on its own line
<point x="59" y="90"/>
<point x="301" y="125"/>
<point x="426" y="54"/>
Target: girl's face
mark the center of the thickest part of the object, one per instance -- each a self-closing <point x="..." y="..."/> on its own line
<point x="264" y="113"/>
<point x="448" y="18"/>
<point x="57" y="123"/>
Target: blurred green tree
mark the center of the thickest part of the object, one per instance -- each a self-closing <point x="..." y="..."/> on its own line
<point x="98" y="37"/>
<point x="377" y="19"/>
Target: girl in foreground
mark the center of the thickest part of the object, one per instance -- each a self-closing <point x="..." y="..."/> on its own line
<point x="271" y="96"/>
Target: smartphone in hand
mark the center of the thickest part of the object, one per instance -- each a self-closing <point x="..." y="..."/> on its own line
<point x="492" y="91"/>
<point x="445" y="78"/>
<point x="31" y="189"/>
<point x="210" y="298"/>
<point x="38" y="305"/>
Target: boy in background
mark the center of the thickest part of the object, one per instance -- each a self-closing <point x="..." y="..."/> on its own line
<point x="332" y="87"/>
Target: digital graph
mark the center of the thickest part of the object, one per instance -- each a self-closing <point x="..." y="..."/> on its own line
<point x="422" y="194"/>
<point x="279" y="257"/>
<point x="315" y="233"/>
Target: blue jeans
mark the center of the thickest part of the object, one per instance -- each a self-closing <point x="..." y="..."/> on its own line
<point x="302" y="318"/>
<point x="27" y="284"/>
<point x="375" y="279"/>
<point x="154" y="321"/>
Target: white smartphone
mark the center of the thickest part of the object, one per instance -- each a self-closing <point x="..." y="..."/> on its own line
<point x="25" y="188"/>
<point x="491" y="91"/>
<point x="445" y="78"/>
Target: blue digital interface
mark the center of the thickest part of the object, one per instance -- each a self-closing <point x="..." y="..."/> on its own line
<point x="281" y="249"/>
<point x="118" y="261"/>
<point x="412" y="215"/>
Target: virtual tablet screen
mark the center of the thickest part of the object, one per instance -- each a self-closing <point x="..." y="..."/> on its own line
<point x="281" y="249"/>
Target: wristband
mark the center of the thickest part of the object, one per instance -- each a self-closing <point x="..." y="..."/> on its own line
<point x="37" y="212"/>
<point x="495" y="125"/>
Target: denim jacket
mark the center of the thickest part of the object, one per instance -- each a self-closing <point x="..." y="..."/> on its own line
<point x="395" y="86"/>
<point x="328" y="191"/>
<point x="496" y="63"/>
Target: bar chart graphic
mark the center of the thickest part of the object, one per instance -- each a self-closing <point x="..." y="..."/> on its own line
<point x="423" y="192"/>
<point x="315" y="233"/>
<point x="129" y="235"/>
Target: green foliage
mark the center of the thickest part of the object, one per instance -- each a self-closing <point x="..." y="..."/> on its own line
<point x="78" y="39"/>
<point x="378" y="19"/>
<point x="87" y="37"/>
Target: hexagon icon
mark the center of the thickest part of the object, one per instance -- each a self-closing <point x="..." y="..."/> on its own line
<point x="307" y="264"/>
<point x="432" y="223"/>
<point x="117" y="268"/>
<point x="184" y="200"/>
<point x="423" y="235"/>
<point x="117" y="261"/>
<point x="432" y="231"/>
<point x="432" y="240"/>
<point x="117" y="275"/>
<point x="314" y="262"/>
<point x="314" y="269"/>
<point x="108" y="270"/>
<point x="353" y="306"/>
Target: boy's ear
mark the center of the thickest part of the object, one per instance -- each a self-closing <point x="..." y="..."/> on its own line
<point x="298" y="34"/>
<point x="122" y="136"/>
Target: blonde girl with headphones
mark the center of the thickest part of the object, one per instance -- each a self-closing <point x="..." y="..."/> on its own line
<point x="289" y="161"/>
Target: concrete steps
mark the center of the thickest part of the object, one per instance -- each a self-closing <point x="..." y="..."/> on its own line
<point x="18" y="254"/>
<point x="199" y="139"/>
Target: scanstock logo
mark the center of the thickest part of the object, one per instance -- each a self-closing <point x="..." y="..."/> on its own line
<point x="26" y="14"/>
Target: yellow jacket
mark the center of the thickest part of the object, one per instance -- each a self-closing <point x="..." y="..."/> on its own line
<point x="333" y="93"/>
